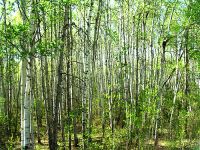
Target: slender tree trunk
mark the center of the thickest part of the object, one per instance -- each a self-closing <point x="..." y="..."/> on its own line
<point x="186" y="90"/>
<point x="59" y="82"/>
<point x="137" y="106"/>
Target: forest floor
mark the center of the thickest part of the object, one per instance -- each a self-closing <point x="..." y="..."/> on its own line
<point x="148" y="145"/>
<point x="120" y="140"/>
<point x="164" y="145"/>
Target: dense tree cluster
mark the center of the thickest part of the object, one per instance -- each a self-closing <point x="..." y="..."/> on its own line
<point x="99" y="74"/>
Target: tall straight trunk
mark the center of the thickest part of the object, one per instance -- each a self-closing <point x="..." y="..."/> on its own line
<point x="84" y="72"/>
<point x="38" y="103"/>
<point x="72" y="87"/>
<point x="186" y="88"/>
<point x="152" y="72"/>
<point x="25" y="114"/>
<point x="131" y="41"/>
<point x="57" y="102"/>
<point x="59" y="82"/>
<point x="26" y="102"/>
<point x="69" y="73"/>
<point x="137" y="106"/>
<point x="49" y="118"/>
<point x="48" y="95"/>
<point x="108" y="64"/>
<point x="94" y="52"/>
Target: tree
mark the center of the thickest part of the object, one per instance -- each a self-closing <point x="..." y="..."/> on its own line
<point x="99" y="74"/>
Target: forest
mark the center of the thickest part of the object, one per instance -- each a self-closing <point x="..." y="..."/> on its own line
<point x="99" y="74"/>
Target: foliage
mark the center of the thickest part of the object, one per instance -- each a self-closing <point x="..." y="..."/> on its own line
<point x="108" y="74"/>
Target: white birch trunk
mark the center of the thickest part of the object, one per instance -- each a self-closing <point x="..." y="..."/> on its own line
<point x="23" y="76"/>
<point x="25" y="107"/>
